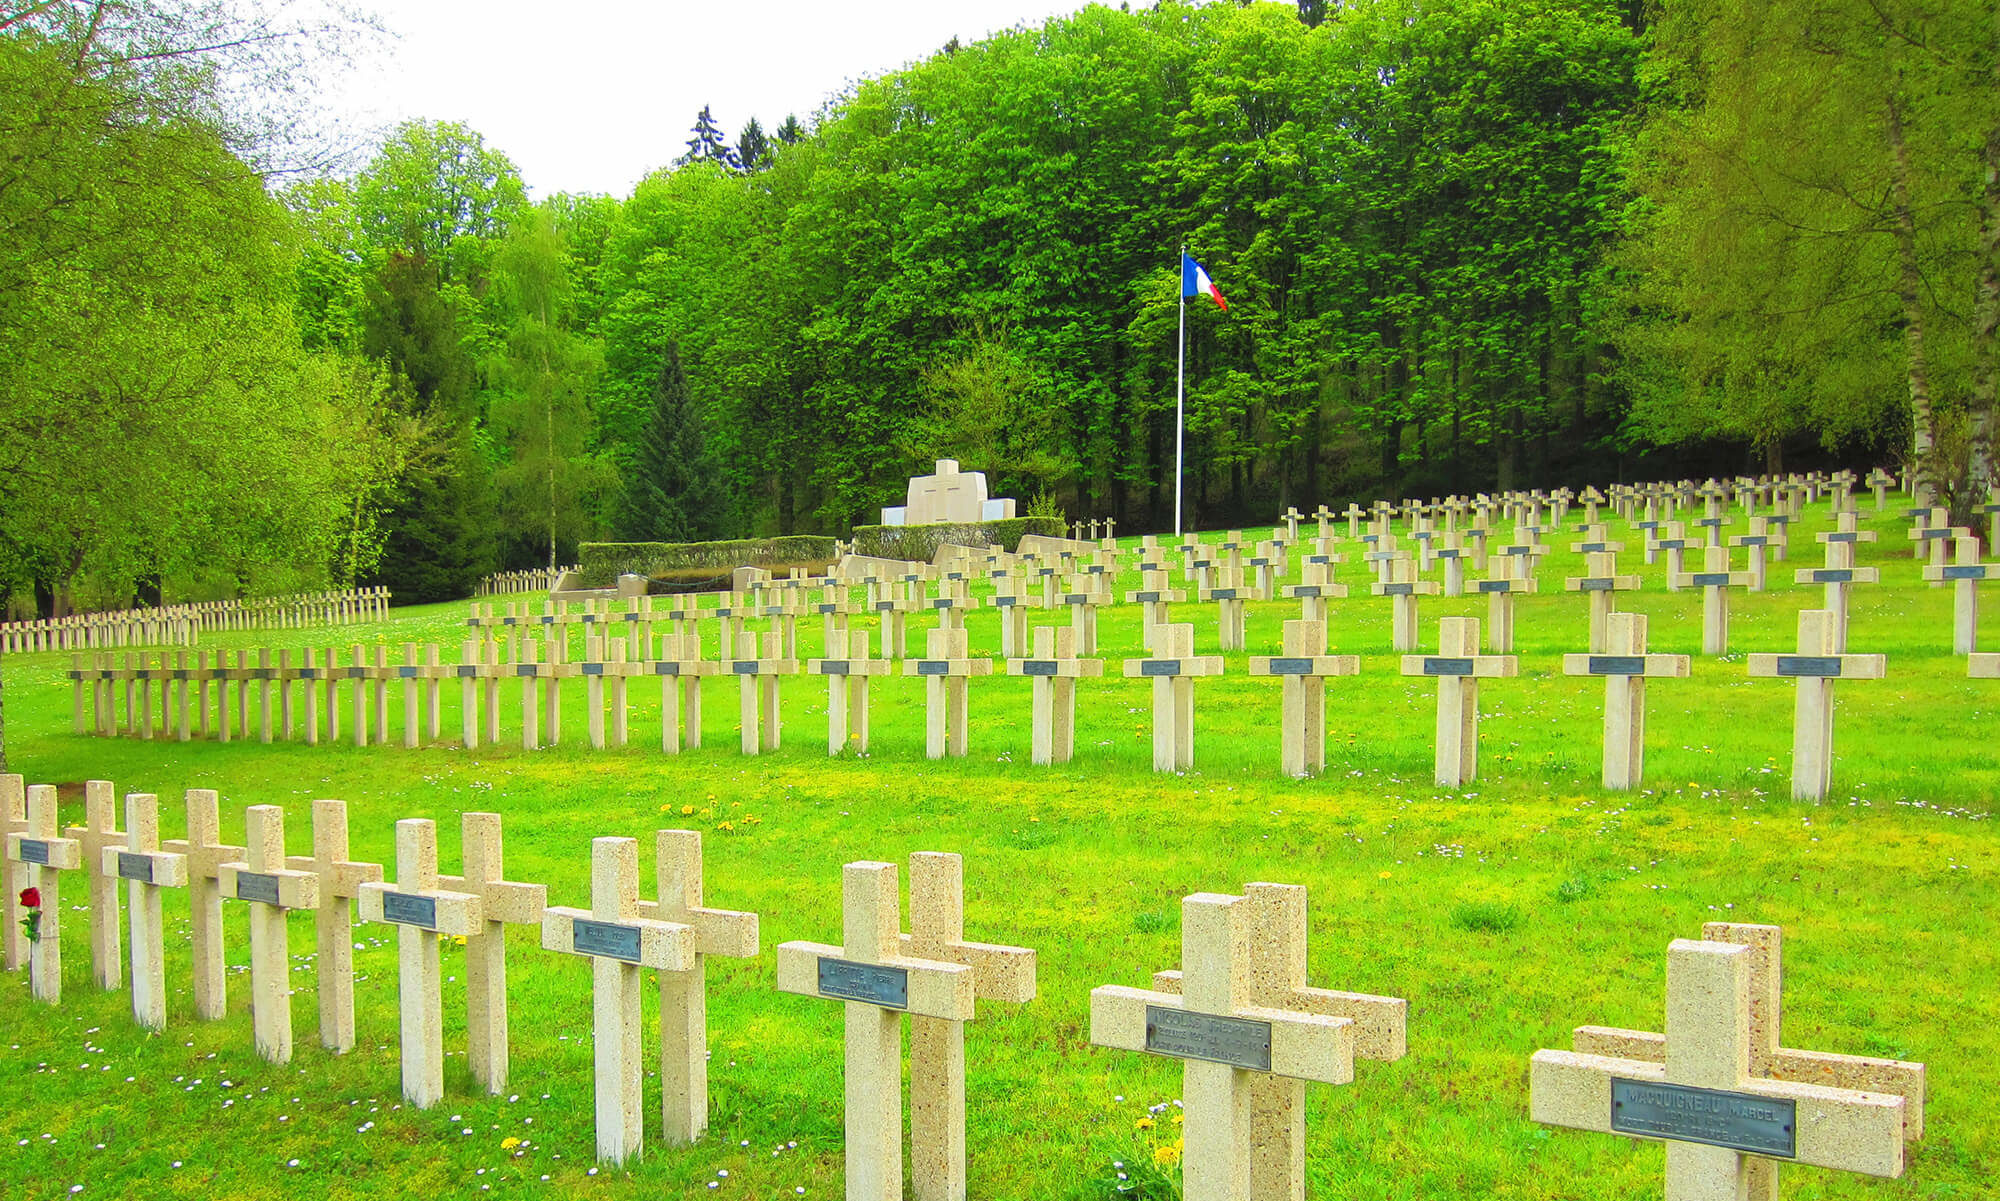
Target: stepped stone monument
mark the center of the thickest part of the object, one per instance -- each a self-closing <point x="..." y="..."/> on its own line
<point x="949" y="495"/>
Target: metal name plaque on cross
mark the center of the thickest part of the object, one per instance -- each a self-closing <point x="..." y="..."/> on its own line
<point x="833" y="667"/>
<point x="743" y="667"/>
<point x="607" y="939"/>
<point x="1399" y="590"/>
<point x="256" y="886"/>
<point x="1447" y="667"/>
<point x="406" y="910"/>
<point x="1739" y="1121"/>
<point x="1305" y="591"/>
<point x="1038" y="667"/>
<point x="933" y="667"/>
<point x="1495" y="585"/>
<point x="1710" y="579"/>
<point x="135" y="867"/>
<point x="34" y="850"/>
<point x="1146" y="598"/>
<point x="1617" y="665"/>
<point x="1812" y="666"/>
<point x="1291" y="667"/>
<point x="1967" y="571"/>
<point x="1598" y="584"/>
<point x="1833" y="575"/>
<point x="888" y="987"/>
<point x="1238" y="1042"/>
<point x="1160" y="667"/>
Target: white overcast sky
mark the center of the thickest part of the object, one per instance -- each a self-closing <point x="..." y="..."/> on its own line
<point x="590" y="95"/>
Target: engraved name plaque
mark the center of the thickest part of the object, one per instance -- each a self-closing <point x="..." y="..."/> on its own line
<point x="1598" y="584"/>
<point x="1710" y="579"/>
<point x="1833" y="575"/>
<point x="933" y="667"/>
<point x="1038" y="667"/>
<point x="1291" y="667"/>
<point x="256" y="886"/>
<point x="1447" y="667"/>
<point x="135" y="867"/>
<point x="1739" y="1121"/>
<point x="1814" y="666"/>
<point x="833" y="667"/>
<point x="1238" y="1042"/>
<point x="888" y="987"/>
<point x="1618" y="665"/>
<point x="608" y="939"/>
<point x="1399" y="589"/>
<point x="1495" y="585"/>
<point x="406" y="910"/>
<point x="34" y="850"/>
<point x="1160" y="667"/>
<point x="1306" y="590"/>
<point x="1965" y="571"/>
<point x="743" y="667"/>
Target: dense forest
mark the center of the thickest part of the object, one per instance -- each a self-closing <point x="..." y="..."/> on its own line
<point x="1491" y="243"/>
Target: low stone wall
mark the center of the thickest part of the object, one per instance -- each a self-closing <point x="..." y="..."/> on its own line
<point x="601" y="563"/>
<point x="919" y="543"/>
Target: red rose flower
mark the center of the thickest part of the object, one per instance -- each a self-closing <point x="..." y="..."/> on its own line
<point x="31" y="898"/>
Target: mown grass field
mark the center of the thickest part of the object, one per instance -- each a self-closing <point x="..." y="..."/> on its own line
<point x="1507" y="913"/>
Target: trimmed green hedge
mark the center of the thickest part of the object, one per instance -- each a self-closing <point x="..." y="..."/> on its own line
<point x="604" y="562"/>
<point x="918" y="543"/>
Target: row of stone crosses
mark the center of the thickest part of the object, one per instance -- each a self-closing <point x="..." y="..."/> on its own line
<point x="622" y="646"/>
<point x="1717" y="1084"/>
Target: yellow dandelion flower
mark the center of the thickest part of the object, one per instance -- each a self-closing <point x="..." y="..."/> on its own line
<point x="1179" y="1117"/>
<point x="458" y="940"/>
<point x="726" y="826"/>
<point x="1166" y="1154"/>
<point x="686" y="809"/>
<point x="1382" y="875"/>
<point x="509" y="1143"/>
<point x="1145" y="1123"/>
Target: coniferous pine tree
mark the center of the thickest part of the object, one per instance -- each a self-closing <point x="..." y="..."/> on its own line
<point x="671" y="494"/>
<point x="709" y="145"/>
<point x="753" y="147"/>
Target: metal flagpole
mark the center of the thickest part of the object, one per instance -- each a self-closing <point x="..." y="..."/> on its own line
<point x="1180" y="398"/>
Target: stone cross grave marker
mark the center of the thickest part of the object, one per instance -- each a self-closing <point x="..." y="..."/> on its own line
<point x="1053" y="672"/>
<point x="1304" y="667"/>
<point x="1768" y="1057"/>
<point x="847" y="669"/>
<point x="533" y="674"/>
<point x="205" y="854"/>
<point x="1009" y="598"/>
<point x="1155" y="598"/>
<point x="146" y="870"/>
<point x="1965" y="573"/>
<point x="1601" y="584"/>
<point x="1403" y="588"/>
<point x="618" y="942"/>
<point x="946" y="671"/>
<point x="99" y="833"/>
<point x="1703" y="1097"/>
<point x="680" y="668"/>
<point x="1458" y="667"/>
<point x="1756" y="548"/>
<point x="422" y="911"/>
<point x="1228" y="1022"/>
<point x="1816" y="666"/>
<point x="1840" y="574"/>
<point x="1316" y="586"/>
<point x="1229" y="595"/>
<point x="46" y="857"/>
<point x="1715" y="580"/>
<point x="1173" y="671"/>
<point x="272" y="890"/>
<point x="13" y="873"/>
<point x="1672" y="538"/>
<point x="1625" y="667"/>
<point x="1278" y="981"/>
<point x="1500" y="589"/>
<point x="684" y="994"/>
<point x="757" y="680"/>
<point x="340" y="883"/>
<point x="937" y="1045"/>
<point x="878" y="983"/>
<point x="502" y="903"/>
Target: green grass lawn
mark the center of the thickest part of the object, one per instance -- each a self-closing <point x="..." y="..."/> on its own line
<point x="1507" y="912"/>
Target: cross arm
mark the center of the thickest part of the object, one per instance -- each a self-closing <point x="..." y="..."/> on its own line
<point x="950" y="667"/>
<point x="1303" y="1046"/>
<point x="1962" y="571"/>
<point x="1837" y="575"/>
<point x="931" y="989"/>
<point x="296" y="890"/>
<point x="999" y="973"/>
<point x="164" y="870"/>
<point x="1601" y="583"/>
<point x="1305" y="665"/>
<point x="1842" y="1129"/>
<point x="340" y="879"/>
<point x="668" y="946"/>
<point x="847" y="667"/>
<point x="1839" y="667"/>
<point x="727" y="932"/>
<point x="503" y="900"/>
<point x="1613" y="664"/>
<point x="1191" y="665"/>
<point x="448" y="912"/>
<point x="1381" y="1024"/>
<point x="1481" y="666"/>
<point x="1069" y="668"/>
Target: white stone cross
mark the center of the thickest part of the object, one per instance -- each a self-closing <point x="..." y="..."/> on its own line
<point x="1229" y="594"/>
<point x="680" y="668"/>
<point x="1458" y="667"/>
<point x="1304" y="668"/>
<point x="1156" y="599"/>
<point x="1715" y="580"/>
<point x="946" y="670"/>
<point x="684" y="994"/>
<point x="618" y="943"/>
<point x="1053" y="673"/>
<point x="502" y="903"/>
<point x="13" y="873"/>
<point x="1816" y="666"/>
<point x="847" y="669"/>
<point x="1221" y="1024"/>
<point x="46" y="857"/>
<point x="1500" y="589"/>
<point x="1965" y="573"/>
<point x="205" y="854"/>
<point x="146" y="870"/>
<point x="340" y="882"/>
<point x="1278" y="981"/>
<point x="758" y="681"/>
<point x="1703" y="1097"/>
<point x="1602" y="585"/>
<point x="99" y="833"/>
<point x="878" y="983"/>
<point x="1316" y="586"/>
<point x="1625" y="667"/>
<point x="1173" y="671"/>
<point x="272" y="889"/>
<point x="422" y="912"/>
<point x="1403" y="588"/>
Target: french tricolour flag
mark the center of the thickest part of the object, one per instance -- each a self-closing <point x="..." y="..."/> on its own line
<point x="1195" y="282"/>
